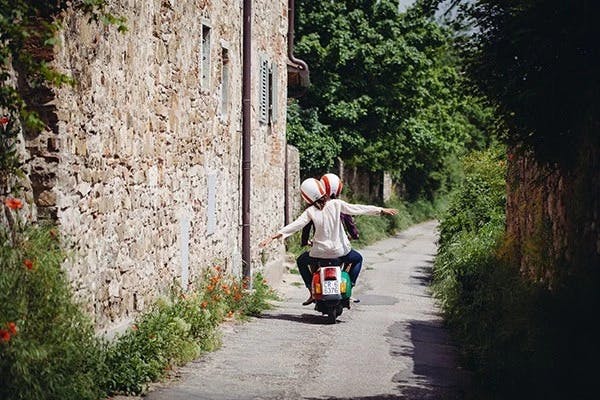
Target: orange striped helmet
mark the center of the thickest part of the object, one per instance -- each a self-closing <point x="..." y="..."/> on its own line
<point x="333" y="184"/>
<point x="312" y="190"/>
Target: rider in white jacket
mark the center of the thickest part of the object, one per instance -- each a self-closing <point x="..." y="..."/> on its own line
<point x="330" y="239"/>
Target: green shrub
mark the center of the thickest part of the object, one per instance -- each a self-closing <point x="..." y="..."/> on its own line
<point x="52" y="352"/>
<point x="259" y="299"/>
<point x="522" y="340"/>
<point x="177" y="329"/>
<point x="160" y="339"/>
<point x="48" y="348"/>
<point x="480" y="198"/>
<point x="460" y="261"/>
<point x="370" y="229"/>
<point x="402" y="220"/>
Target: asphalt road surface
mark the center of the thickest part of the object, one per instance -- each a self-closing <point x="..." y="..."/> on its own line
<point x="391" y="345"/>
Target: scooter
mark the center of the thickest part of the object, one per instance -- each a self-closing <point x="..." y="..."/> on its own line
<point x="331" y="287"/>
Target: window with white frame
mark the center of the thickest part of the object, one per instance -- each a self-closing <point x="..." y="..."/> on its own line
<point x="225" y="66"/>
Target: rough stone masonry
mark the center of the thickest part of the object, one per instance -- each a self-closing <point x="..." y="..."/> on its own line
<point x="142" y="165"/>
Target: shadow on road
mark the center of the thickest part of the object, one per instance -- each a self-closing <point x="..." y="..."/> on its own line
<point x="312" y="319"/>
<point x="434" y="361"/>
<point x="423" y="274"/>
<point x="375" y="397"/>
<point x="409" y="394"/>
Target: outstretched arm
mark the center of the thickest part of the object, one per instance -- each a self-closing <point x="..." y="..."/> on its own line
<point x="268" y="240"/>
<point x="389" y="211"/>
<point x="289" y="229"/>
<point x="361" y="209"/>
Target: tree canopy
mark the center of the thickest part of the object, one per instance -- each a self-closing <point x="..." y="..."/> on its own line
<point x="538" y="60"/>
<point x="387" y="89"/>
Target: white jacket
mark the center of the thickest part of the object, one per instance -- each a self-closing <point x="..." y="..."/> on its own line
<point x="330" y="239"/>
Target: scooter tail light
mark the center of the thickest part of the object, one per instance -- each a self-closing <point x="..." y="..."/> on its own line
<point x="316" y="284"/>
<point x="330" y="273"/>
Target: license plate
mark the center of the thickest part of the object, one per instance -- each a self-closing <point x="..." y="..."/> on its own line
<point x="331" y="287"/>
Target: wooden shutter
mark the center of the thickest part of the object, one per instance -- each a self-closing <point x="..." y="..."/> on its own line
<point x="263" y="116"/>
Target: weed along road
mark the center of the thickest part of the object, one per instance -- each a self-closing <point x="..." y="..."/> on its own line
<point x="391" y="345"/>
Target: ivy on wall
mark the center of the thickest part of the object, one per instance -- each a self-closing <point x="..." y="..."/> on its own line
<point x="27" y="38"/>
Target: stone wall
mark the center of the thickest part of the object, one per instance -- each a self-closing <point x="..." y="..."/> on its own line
<point x="294" y="200"/>
<point x="144" y="174"/>
<point x="365" y="186"/>
<point x="552" y="214"/>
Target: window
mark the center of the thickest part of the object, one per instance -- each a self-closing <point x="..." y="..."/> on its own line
<point x="211" y="208"/>
<point x="273" y="80"/>
<point x="224" y="81"/>
<point x="205" y="57"/>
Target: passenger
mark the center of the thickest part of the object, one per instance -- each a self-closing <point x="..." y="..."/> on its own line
<point x="333" y="187"/>
<point x="330" y="239"/>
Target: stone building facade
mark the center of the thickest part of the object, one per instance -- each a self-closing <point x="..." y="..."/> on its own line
<point x="142" y="166"/>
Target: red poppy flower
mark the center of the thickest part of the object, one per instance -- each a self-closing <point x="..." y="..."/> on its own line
<point x="13" y="204"/>
<point x="4" y="335"/>
<point x="28" y="263"/>
<point x="4" y="120"/>
<point x="12" y="328"/>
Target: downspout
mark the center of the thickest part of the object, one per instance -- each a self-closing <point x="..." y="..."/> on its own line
<point x="300" y="64"/>
<point x="286" y="189"/>
<point x="246" y="136"/>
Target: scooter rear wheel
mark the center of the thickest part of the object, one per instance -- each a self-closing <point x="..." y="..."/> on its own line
<point x="332" y="315"/>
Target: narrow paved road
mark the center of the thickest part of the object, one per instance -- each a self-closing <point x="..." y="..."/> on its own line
<point x="391" y="345"/>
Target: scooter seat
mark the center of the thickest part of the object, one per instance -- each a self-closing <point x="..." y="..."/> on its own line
<point x="324" y="262"/>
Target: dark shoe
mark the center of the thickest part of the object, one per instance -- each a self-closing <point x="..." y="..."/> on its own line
<point x="310" y="300"/>
<point x="355" y="300"/>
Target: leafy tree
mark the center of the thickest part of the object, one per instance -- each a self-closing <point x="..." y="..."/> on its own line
<point x="539" y="61"/>
<point x="387" y="86"/>
<point x="317" y="148"/>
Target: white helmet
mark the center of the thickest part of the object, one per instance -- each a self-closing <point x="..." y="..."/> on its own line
<point x="312" y="190"/>
<point x="333" y="184"/>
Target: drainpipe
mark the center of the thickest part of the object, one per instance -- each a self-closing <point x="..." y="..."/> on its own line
<point x="299" y="64"/>
<point x="286" y="189"/>
<point x="246" y="136"/>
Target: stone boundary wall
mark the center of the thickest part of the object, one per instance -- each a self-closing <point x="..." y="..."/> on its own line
<point x="294" y="199"/>
<point x="145" y="171"/>
<point x="364" y="186"/>
<point x="553" y="214"/>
